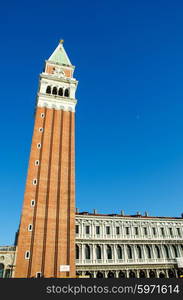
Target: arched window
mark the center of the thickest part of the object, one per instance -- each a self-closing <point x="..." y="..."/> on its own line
<point x="148" y="251"/>
<point x="175" y="251"/>
<point x="142" y="274"/>
<point x="87" y="252"/>
<point x="131" y="274"/>
<point x="60" y="92"/>
<point x="109" y="252"/>
<point x="88" y="274"/>
<point x="48" y="89"/>
<point x="171" y="273"/>
<point x="129" y="252"/>
<point x="100" y="275"/>
<point x="139" y="252"/>
<point x="66" y="93"/>
<point x="166" y="251"/>
<point x="161" y="275"/>
<point x="121" y="274"/>
<point x="119" y="252"/>
<point x="157" y="251"/>
<point x="110" y="275"/>
<point x="1" y="270"/>
<point x="54" y="91"/>
<point x="98" y="252"/>
<point x="8" y="273"/>
<point x="152" y="274"/>
<point x="77" y="252"/>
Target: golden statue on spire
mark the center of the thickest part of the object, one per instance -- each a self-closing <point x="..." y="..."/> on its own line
<point x="61" y="41"/>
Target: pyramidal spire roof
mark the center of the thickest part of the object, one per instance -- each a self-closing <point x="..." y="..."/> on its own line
<point x="59" y="56"/>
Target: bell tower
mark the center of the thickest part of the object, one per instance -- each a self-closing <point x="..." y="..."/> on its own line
<point x="46" y="242"/>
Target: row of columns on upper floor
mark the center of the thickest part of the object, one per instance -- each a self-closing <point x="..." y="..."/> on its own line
<point x="134" y="252"/>
<point x="131" y="229"/>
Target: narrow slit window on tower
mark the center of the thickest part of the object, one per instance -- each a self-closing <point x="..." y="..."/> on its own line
<point x="34" y="181"/>
<point x="37" y="163"/>
<point x="38" y="275"/>
<point x="48" y="89"/>
<point x="39" y="145"/>
<point x="32" y="202"/>
<point x="42" y="115"/>
<point x="41" y="129"/>
<point x="27" y="254"/>
<point x="30" y="227"/>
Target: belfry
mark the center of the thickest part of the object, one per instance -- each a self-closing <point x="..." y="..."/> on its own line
<point x="46" y="240"/>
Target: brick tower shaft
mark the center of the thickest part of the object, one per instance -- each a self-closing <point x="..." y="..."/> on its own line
<point x="46" y="242"/>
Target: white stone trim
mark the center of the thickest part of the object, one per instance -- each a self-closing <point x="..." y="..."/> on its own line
<point x="58" y="103"/>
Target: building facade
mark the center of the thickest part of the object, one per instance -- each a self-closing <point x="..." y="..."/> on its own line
<point x="120" y="246"/>
<point x="128" y="246"/>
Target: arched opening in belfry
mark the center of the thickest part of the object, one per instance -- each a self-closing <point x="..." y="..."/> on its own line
<point x="66" y="93"/>
<point x="48" y="89"/>
<point x="60" y="92"/>
<point x="54" y="92"/>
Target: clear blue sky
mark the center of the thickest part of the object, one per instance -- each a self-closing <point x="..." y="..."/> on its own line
<point x="129" y="124"/>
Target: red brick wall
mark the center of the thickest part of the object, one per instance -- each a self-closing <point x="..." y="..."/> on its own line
<point x="52" y="241"/>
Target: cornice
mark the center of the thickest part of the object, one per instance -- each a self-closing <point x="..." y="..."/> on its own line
<point x="55" y="78"/>
<point x="56" y="102"/>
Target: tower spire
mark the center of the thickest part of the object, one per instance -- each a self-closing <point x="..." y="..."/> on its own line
<point x="59" y="55"/>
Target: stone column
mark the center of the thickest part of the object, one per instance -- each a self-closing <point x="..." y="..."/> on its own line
<point x="125" y="253"/>
<point x="114" y="252"/>
<point x="94" y="252"/>
<point x="82" y="253"/>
